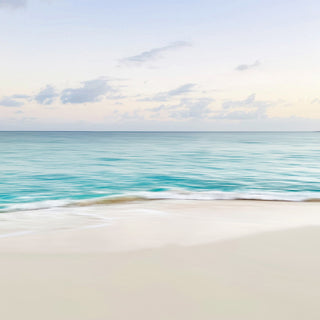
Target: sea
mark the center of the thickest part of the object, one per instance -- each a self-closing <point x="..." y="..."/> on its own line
<point x="59" y="169"/>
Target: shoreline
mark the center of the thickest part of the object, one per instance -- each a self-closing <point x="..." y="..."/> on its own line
<point x="161" y="196"/>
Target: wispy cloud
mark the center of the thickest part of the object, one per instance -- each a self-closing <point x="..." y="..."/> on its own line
<point x="153" y="54"/>
<point x="47" y="95"/>
<point x="90" y="91"/>
<point x="229" y="104"/>
<point x="134" y="115"/>
<point x="193" y="109"/>
<point x="201" y="108"/>
<point x="165" y="96"/>
<point x="11" y="102"/>
<point x="15" y="100"/>
<point x="197" y="108"/>
<point x="249" y="108"/>
<point x="244" y="67"/>
<point x="12" y="3"/>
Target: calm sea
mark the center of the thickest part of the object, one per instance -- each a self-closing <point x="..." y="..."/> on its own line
<point x="44" y="169"/>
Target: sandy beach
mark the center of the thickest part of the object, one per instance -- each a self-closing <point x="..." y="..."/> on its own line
<point x="242" y="260"/>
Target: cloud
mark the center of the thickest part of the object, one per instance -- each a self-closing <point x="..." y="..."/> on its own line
<point x="242" y="115"/>
<point x="135" y="115"/>
<point x="244" y="67"/>
<point x="164" y="96"/>
<point x="249" y="108"/>
<point x="187" y="108"/>
<point x="199" y="108"/>
<point x="46" y="96"/>
<point x="153" y="54"/>
<point x="10" y="102"/>
<point x="14" y="100"/>
<point x="90" y="91"/>
<point x="193" y="108"/>
<point x="239" y="103"/>
<point x="20" y="96"/>
<point x="12" y="3"/>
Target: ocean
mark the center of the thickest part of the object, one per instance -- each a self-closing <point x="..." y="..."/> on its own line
<point x="58" y="169"/>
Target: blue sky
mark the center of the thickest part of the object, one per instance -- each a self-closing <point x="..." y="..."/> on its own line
<point x="159" y="65"/>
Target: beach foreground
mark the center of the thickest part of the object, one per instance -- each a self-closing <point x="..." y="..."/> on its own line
<point x="242" y="260"/>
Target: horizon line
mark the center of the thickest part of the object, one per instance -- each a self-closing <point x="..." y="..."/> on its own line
<point x="159" y="131"/>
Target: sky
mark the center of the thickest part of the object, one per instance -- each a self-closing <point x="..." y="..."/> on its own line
<point x="159" y="65"/>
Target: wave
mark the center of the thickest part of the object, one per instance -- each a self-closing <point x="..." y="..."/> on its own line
<point x="166" y="195"/>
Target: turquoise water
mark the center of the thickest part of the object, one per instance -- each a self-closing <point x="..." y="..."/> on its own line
<point x="43" y="169"/>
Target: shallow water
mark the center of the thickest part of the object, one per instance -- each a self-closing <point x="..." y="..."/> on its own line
<point x="45" y="169"/>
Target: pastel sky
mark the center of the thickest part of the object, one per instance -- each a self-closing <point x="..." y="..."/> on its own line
<point x="159" y="65"/>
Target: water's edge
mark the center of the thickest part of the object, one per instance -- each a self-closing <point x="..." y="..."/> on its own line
<point x="156" y="196"/>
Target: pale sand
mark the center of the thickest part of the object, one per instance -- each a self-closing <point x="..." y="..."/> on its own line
<point x="98" y="273"/>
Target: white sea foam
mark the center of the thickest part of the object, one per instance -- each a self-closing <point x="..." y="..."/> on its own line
<point x="166" y="195"/>
<point x="38" y="205"/>
<point x="219" y="195"/>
